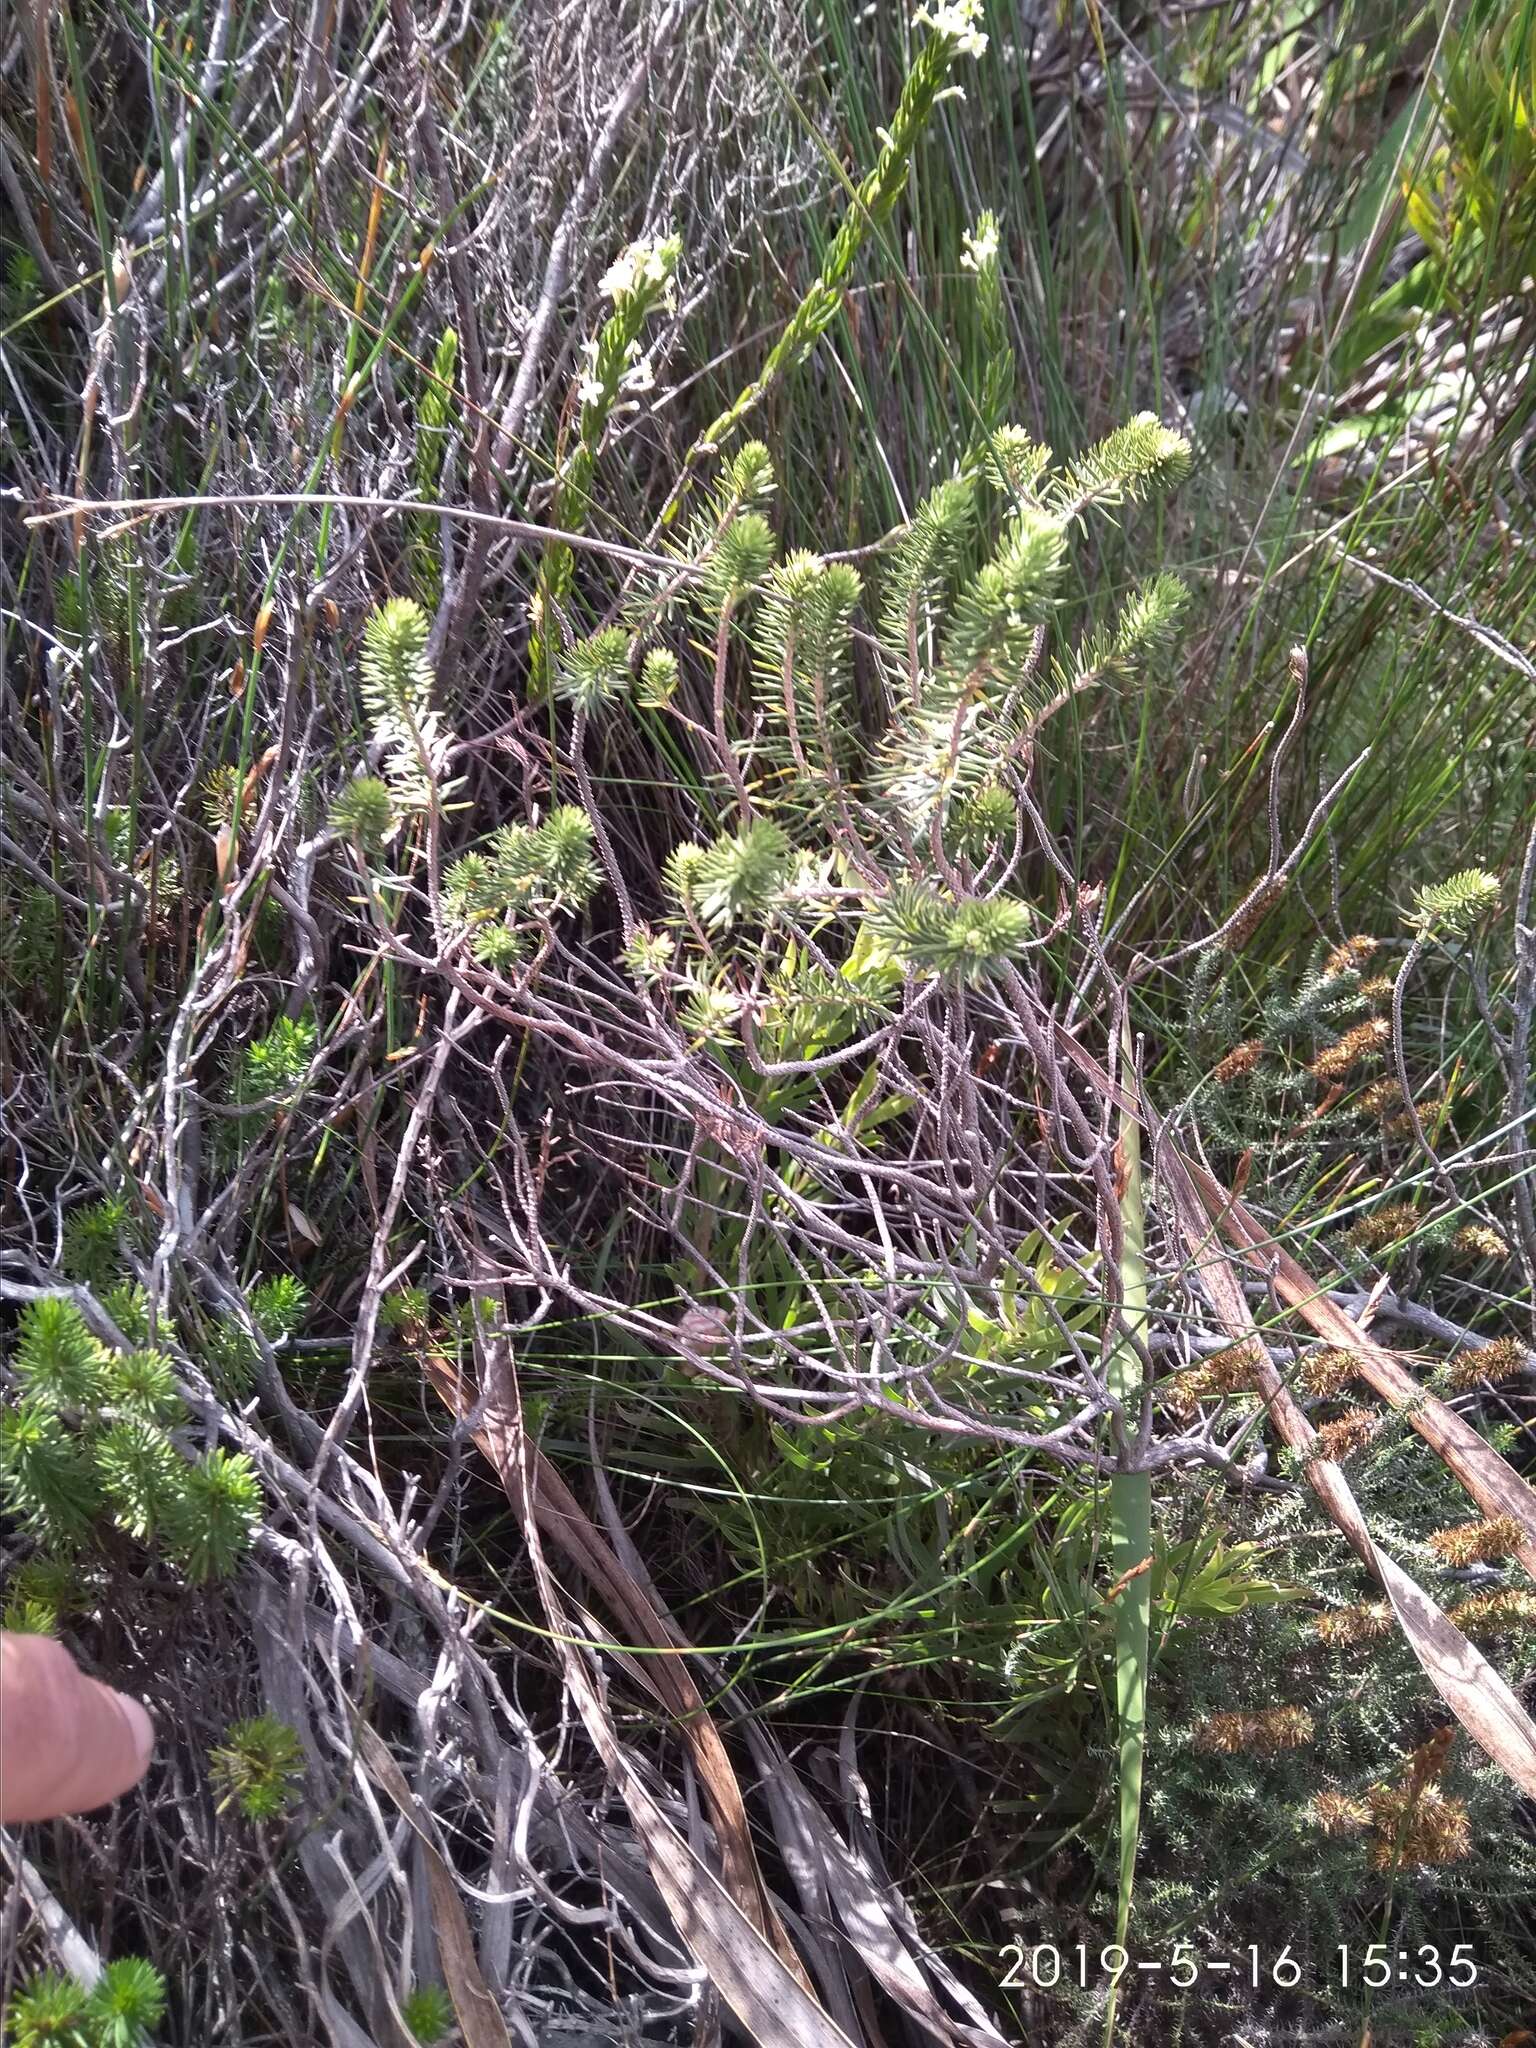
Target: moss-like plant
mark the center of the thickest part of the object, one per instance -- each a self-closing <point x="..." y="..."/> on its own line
<point x="120" y="2011"/>
<point x="89" y="1442"/>
<point x="257" y="1767"/>
<point x="428" y="2013"/>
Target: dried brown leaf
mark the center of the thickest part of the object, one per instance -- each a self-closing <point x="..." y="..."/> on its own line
<point x="1463" y="1677"/>
<point x="561" y="1517"/>
<point x="479" y="2016"/>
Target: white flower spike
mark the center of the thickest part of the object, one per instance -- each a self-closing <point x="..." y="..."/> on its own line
<point x="958" y="20"/>
<point x="979" y="248"/>
<point x="646" y="264"/>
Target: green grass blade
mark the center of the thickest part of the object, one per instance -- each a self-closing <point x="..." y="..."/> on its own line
<point x="1130" y="1513"/>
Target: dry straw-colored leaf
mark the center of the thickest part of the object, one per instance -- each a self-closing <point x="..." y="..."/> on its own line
<point x="746" y="1949"/>
<point x="478" y="2014"/>
<point x="1494" y="1484"/>
<point x="1463" y="1677"/>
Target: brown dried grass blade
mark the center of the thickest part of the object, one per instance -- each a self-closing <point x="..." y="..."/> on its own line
<point x="1463" y="1677"/>
<point x="872" y="1928"/>
<point x="1495" y="1485"/>
<point x="772" y="2003"/>
<point x="561" y="1517"/>
<point x="479" y="2016"/>
<point x="768" y="1993"/>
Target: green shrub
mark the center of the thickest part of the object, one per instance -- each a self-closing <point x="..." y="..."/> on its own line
<point x="428" y="2013"/>
<point x="257" y="1767"/>
<point x="89" y="1441"/>
<point x="53" y="2011"/>
<point x="1283" y="1747"/>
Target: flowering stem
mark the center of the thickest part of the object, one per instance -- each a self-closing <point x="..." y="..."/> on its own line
<point x="871" y="205"/>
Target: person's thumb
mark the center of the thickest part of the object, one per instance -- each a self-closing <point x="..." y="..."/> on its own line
<point x="67" y="1742"/>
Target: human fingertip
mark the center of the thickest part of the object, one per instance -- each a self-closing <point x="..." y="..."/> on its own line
<point x="140" y="1727"/>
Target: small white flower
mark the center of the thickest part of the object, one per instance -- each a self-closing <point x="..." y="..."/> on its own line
<point x="640" y="376"/>
<point x="648" y="262"/>
<point x="661" y="260"/>
<point x="956" y="19"/>
<point x="980" y="247"/>
<point x="589" y="386"/>
<point x="619" y="277"/>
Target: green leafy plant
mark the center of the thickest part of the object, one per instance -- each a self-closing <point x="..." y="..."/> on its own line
<point x="51" y="2009"/>
<point x="90" y="1439"/>
<point x="257" y="1767"/>
<point x="526" y="873"/>
<point x="596" y="670"/>
<point x="614" y="367"/>
<point x="397" y="692"/>
<point x="267" y="1071"/>
<point x="1456" y="903"/>
<point x="121" y="2011"/>
<point x="963" y="658"/>
<point x="94" y="1236"/>
<point x="428" y="2013"/>
<point x="280" y="1304"/>
<point x="41" y="1592"/>
<point x="1473" y="200"/>
<point x="435" y="433"/>
<point x="277" y="1305"/>
<point x="127" y="2003"/>
<point x="365" y="811"/>
<point x="955" y="32"/>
